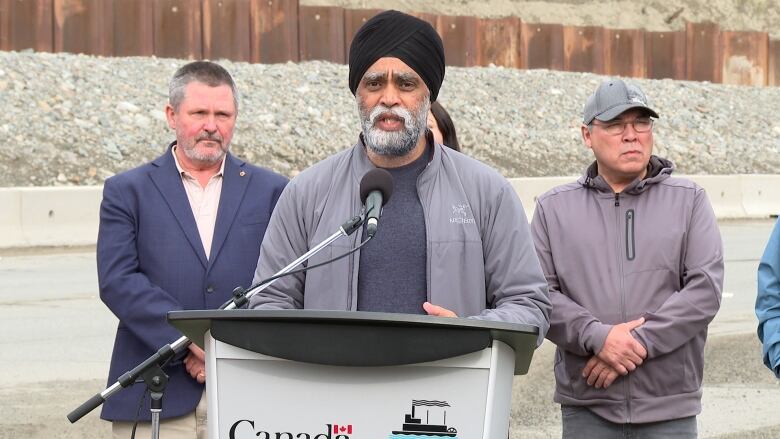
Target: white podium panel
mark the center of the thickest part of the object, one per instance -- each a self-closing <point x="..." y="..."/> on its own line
<point x="251" y="395"/>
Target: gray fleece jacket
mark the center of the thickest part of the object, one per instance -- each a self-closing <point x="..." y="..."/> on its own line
<point x="480" y="256"/>
<point x="654" y="250"/>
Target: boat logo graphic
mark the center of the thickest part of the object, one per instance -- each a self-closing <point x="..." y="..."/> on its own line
<point x="414" y="427"/>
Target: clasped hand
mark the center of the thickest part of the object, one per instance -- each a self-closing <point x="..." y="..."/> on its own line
<point x="621" y="354"/>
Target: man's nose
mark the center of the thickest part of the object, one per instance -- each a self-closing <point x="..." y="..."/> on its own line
<point x="390" y="96"/>
<point x="210" y="124"/>
<point x="629" y="133"/>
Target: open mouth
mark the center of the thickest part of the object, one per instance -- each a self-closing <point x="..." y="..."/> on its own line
<point x="389" y="122"/>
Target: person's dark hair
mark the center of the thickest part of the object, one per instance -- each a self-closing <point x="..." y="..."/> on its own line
<point x="446" y="126"/>
<point x="207" y="72"/>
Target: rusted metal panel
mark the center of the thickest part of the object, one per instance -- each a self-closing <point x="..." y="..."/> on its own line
<point x="5" y="25"/>
<point x="226" y="29"/>
<point x="745" y="57"/>
<point x="541" y="46"/>
<point x="459" y="35"/>
<point x="321" y="33"/>
<point x="353" y="19"/>
<point x="133" y="28"/>
<point x="83" y="26"/>
<point x="624" y="52"/>
<point x="702" y="50"/>
<point x="665" y="55"/>
<point x="274" y="31"/>
<point x="498" y="41"/>
<point x="26" y="24"/>
<point x="430" y="18"/>
<point x="583" y="49"/>
<point x="177" y="29"/>
<point x="773" y="68"/>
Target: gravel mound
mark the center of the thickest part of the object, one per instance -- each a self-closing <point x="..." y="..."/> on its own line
<point x="75" y="120"/>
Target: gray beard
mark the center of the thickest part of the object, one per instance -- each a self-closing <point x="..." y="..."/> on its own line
<point x="394" y="143"/>
<point x="195" y="155"/>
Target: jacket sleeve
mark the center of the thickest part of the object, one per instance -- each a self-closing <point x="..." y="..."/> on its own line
<point x="572" y="327"/>
<point x="284" y="241"/>
<point x="516" y="289"/>
<point x="688" y="312"/>
<point x="768" y="301"/>
<point x="140" y="305"/>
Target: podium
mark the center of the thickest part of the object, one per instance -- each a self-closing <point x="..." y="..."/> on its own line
<point x="295" y="374"/>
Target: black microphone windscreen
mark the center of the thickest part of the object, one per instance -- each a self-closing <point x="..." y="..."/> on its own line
<point x="377" y="179"/>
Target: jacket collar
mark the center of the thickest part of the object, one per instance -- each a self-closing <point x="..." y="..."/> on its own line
<point x="167" y="180"/>
<point x="362" y="164"/>
<point x="235" y="179"/>
<point x="658" y="170"/>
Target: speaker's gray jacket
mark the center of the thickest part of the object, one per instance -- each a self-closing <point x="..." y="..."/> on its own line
<point x="480" y="256"/>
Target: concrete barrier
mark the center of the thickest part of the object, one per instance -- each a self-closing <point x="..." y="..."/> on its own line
<point x="724" y="192"/>
<point x="732" y="196"/>
<point x="10" y="218"/>
<point x="68" y="216"/>
<point x="49" y="216"/>
<point x="760" y="195"/>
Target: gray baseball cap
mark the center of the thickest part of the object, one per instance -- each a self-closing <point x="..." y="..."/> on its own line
<point x="612" y="98"/>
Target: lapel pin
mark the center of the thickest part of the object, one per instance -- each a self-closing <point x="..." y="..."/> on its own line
<point x="242" y="173"/>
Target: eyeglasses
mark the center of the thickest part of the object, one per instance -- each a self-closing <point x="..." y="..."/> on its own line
<point x="640" y="124"/>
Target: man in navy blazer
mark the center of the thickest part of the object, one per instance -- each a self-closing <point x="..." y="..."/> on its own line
<point x="179" y="233"/>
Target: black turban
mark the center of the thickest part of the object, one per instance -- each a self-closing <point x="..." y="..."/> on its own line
<point x="398" y="35"/>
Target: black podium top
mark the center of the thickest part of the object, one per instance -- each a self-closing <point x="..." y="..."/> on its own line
<point x="355" y="338"/>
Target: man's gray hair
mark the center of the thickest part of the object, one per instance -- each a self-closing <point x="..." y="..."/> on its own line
<point x="209" y="73"/>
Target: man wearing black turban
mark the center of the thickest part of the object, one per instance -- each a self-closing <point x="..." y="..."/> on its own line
<point x="453" y="239"/>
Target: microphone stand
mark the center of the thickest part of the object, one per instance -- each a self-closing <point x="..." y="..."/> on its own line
<point x="151" y="368"/>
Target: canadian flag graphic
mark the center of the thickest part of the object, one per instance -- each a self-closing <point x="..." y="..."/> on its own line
<point x="341" y="429"/>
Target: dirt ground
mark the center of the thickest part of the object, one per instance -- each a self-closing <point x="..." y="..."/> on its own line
<point x="38" y="411"/>
<point x="656" y="15"/>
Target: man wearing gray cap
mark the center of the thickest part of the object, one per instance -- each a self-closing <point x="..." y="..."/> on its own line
<point x="453" y="238"/>
<point x="634" y="262"/>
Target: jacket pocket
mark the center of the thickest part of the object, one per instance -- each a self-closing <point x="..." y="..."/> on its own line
<point x="570" y="379"/>
<point x="662" y="376"/>
<point x="630" y="240"/>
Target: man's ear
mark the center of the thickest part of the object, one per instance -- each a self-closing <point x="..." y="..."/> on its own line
<point x="169" y="115"/>
<point x="586" y="136"/>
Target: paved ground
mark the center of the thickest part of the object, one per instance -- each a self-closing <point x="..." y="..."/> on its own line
<point x="57" y="339"/>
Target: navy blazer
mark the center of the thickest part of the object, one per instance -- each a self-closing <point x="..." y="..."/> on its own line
<point x="151" y="260"/>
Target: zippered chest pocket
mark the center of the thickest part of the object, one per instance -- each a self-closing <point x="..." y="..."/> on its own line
<point x="630" y="235"/>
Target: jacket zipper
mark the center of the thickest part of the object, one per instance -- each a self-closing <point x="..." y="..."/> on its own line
<point x="622" y="296"/>
<point x="427" y="234"/>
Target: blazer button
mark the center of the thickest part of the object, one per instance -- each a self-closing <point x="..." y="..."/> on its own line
<point x="210" y="289"/>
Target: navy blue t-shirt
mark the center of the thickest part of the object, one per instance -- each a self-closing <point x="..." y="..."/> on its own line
<point x="393" y="276"/>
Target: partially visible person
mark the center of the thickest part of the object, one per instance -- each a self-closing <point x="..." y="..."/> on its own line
<point x="179" y="233"/>
<point x="442" y="127"/>
<point x="768" y="301"/>
<point x="634" y="261"/>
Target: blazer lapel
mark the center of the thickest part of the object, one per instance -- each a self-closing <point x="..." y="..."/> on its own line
<point x="235" y="180"/>
<point x="168" y="181"/>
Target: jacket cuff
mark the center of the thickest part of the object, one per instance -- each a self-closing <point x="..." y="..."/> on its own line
<point x="772" y="358"/>
<point x="594" y="336"/>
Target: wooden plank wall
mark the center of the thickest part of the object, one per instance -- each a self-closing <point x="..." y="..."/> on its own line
<point x="27" y="24"/>
<point x="272" y="31"/>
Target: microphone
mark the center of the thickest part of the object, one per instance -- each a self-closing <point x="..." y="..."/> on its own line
<point x="375" y="189"/>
